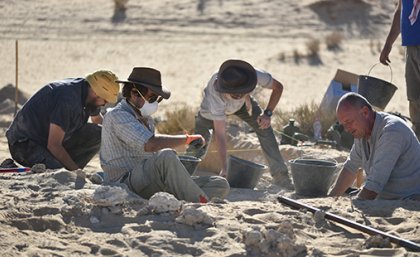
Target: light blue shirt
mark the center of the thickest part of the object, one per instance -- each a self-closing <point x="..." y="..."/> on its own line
<point x="390" y="158"/>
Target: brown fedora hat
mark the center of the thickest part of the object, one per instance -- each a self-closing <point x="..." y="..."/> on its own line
<point x="236" y="77"/>
<point x="149" y="78"/>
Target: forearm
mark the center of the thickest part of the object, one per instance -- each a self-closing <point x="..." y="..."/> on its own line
<point x="344" y="181"/>
<point x="221" y="147"/>
<point x="60" y="153"/>
<point x="395" y="28"/>
<point x="98" y="119"/>
<point x="159" y="142"/>
<point x="275" y="95"/>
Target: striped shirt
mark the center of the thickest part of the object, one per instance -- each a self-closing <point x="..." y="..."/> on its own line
<point x="123" y="140"/>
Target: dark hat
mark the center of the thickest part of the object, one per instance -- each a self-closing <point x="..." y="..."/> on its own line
<point x="149" y="78"/>
<point x="237" y="77"/>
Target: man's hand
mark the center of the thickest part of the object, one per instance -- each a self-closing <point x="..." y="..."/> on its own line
<point x="366" y="194"/>
<point x="223" y="173"/>
<point x="264" y="121"/>
<point x="384" y="57"/>
<point x="194" y="138"/>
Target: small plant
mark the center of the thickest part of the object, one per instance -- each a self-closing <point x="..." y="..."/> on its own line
<point x="296" y="56"/>
<point x="333" y="40"/>
<point x="313" y="47"/>
<point x="179" y="119"/>
<point x="305" y="116"/>
<point x="120" y="5"/>
<point x="282" y="57"/>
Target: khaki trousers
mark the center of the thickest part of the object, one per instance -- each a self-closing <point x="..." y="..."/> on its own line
<point x="412" y="77"/>
<point x="164" y="172"/>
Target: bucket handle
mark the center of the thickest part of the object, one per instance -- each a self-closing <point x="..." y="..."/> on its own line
<point x="306" y="157"/>
<point x="379" y="63"/>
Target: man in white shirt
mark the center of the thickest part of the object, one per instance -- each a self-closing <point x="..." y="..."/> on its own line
<point x="228" y="93"/>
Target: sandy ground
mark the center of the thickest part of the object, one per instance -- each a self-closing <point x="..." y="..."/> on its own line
<point x="50" y="214"/>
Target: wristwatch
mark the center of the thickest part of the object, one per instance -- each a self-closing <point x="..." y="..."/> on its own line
<point x="268" y="112"/>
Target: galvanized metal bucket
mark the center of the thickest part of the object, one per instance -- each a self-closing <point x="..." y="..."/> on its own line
<point x="377" y="91"/>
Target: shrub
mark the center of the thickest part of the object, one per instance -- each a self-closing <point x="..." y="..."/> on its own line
<point x="178" y="119"/>
<point x="313" y="47"/>
<point x="333" y="40"/>
<point x="304" y="116"/>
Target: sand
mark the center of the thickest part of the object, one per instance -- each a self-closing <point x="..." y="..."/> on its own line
<point x="57" y="213"/>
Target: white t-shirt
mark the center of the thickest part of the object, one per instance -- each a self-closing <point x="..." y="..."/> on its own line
<point x="216" y="105"/>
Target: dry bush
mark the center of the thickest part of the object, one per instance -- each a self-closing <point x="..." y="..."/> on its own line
<point x="313" y="46"/>
<point x="334" y="40"/>
<point x="296" y="55"/>
<point x="180" y="118"/>
<point x="120" y="5"/>
<point x="304" y="116"/>
<point x="282" y="56"/>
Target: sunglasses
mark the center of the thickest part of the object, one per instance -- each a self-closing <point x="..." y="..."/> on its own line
<point x="152" y="99"/>
<point x="237" y="96"/>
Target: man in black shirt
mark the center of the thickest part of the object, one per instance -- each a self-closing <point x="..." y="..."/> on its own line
<point x="52" y="128"/>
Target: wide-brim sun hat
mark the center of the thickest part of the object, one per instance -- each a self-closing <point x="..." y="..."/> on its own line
<point x="236" y="77"/>
<point x="150" y="78"/>
<point x="103" y="83"/>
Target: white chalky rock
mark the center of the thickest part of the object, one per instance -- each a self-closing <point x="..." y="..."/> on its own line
<point x="253" y="237"/>
<point x="164" y="202"/>
<point x="191" y="216"/>
<point x="319" y="218"/>
<point x="109" y="196"/>
<point x="93" y="220"/>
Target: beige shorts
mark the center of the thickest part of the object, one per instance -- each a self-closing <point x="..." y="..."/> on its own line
<point x="412" y="73"/>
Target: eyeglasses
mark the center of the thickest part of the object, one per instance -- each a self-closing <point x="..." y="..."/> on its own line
<point x="152" y="99"/>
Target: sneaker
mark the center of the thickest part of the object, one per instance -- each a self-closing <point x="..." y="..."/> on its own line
<point x="8" y="163"/>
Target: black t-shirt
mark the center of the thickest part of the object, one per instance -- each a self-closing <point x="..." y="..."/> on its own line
<point x="61" y="102"/>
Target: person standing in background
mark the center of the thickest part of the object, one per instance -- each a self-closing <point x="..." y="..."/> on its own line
<point x="406" y="23"/>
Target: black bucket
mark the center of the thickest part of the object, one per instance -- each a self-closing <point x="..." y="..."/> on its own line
<point x="190" y="162"/>
<point x="243" y="173"/>
<point x="377" y="91"/>
<point x="312" y="177"/>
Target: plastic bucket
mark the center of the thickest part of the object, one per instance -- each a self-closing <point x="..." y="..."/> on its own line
<point x="377" y="91"/>
<point x="190" y="162"/>
<point x="243" y="173"/>
<point x="312" y="177"/>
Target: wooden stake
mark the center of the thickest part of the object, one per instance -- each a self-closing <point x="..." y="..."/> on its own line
<point x="16" y="78"/>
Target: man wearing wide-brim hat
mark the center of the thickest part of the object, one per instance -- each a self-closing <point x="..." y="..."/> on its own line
<point x="52" y="127"/>
<point x="131" y="152"/>
<point x="228" y="92"/>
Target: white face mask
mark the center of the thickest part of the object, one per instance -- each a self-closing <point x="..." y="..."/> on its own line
<point x="148" y="108"/>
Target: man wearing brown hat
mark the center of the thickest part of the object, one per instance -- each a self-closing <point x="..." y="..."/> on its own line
<point x="52" y="128"/>
<point x="131" y="152"/>
<point x="229" y="93"/>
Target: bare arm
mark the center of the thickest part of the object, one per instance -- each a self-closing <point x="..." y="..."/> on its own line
<point x="263" y="120"/>
<point x="392" y="36"/>
<point x="158" y="142"/>
<point x="344" y="181"/>
<point x="98" y="119"/>
<point x="220" y="136"/>
<point x="55" y="146"/>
